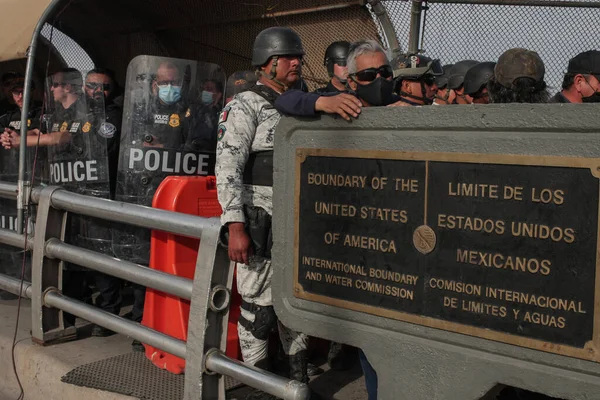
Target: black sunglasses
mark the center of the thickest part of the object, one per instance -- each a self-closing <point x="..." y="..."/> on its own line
<point x="57" y="84"/>
<point x="95" y="86"/>
<point x="370" y="74"/>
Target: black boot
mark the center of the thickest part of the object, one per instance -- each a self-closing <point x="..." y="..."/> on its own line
<point x="341" y="357"/>
<point x="298" y="366"/>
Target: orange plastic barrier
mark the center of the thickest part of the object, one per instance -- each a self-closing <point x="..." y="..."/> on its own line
<point x="177" y="255"/>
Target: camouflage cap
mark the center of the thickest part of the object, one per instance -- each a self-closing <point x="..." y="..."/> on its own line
<point x="519" y="63"/>
<point x="240" y="81"/>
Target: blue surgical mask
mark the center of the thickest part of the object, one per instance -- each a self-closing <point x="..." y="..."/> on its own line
<point x="207" y="97"/>
<point x="169" y="94"/>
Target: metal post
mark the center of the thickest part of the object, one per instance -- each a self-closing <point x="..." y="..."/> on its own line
<point x="276" y="385"/>
<point x="525" y="3"/>
<point x="12" y="238"/>
<point x="386" y="25"/>
<point x="46" y="273"/>
<point x="52" y="298"/>
<point x="171" y="284"/>
<point x="23" y="188"/>
<point x="415" y="26"/>
<point x="13" y="285"/>
<point x="209" y="310"/>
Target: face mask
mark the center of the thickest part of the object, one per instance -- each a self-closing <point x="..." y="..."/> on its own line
<point x="169" y="94"/>
<point x="207" y="97"/>
<point x="376" y="93"/>
<point x="595" y="98"/>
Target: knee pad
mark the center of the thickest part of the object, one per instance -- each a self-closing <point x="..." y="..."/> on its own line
<point x="264" y="321"/>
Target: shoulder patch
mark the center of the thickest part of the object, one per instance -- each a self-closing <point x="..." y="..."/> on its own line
<point x="224" y="114"/>
<point x="107" y="130"/>
<point x="221" y="132"/>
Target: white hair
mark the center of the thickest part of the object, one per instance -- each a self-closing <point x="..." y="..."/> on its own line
<point x="360" y="48"/>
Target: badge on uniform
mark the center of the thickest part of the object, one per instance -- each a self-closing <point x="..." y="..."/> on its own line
<point x="107" y="130"/>
<point x="64" y="127"/>
<point x="28" y="123"/>
<point x="224" y="115"/>
<point x="74" y="127"/>
<point x="174" y="120"/>
<point x="188" y="113"/>
<point x="86" y="127"/>
<point x="221" y="132"/>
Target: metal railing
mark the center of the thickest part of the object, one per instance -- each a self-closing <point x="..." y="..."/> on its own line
<point x="208" y="292"/>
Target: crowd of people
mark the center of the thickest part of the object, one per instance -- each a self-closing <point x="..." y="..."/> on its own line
<point x="361" y="75"/>
<point x="88" y="151"/>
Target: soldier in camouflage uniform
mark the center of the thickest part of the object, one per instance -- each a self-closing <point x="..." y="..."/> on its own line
<point x="244" y="171"/>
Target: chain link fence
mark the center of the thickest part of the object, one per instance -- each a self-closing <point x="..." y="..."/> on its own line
<point x="455" y="30"/>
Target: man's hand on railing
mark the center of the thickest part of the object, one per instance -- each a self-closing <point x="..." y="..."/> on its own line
<point x="239" y="245"/>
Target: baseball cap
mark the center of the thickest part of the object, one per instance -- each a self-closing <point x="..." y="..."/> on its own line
<point x="519" y="63"/>
<point x="587" y="63"/>
<point x="17" y="83"/>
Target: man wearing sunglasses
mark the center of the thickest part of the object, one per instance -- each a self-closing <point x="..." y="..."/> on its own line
<point x="70" y="111"/>
<point x="104" y="119"/>
<point x="370" y="74"/>
<point x="581" y="83"/>
<point x="415" y="79"/>
<point x="11" y="121"/>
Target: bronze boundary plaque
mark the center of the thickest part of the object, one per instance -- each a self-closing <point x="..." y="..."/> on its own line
<point x="424" y="240"/>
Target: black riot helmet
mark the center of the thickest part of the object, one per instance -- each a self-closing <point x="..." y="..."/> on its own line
<point x="414" y="67"/>
<point x="336" y="53"/>
<point x="456" y="75"/>
<point x="275" y="41"/>
<point x="442" y="80"/>
<point x="477" y="77"/>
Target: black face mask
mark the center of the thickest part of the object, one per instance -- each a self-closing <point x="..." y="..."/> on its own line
<point x="595" y="98"/>
<point x="376" y="93"/>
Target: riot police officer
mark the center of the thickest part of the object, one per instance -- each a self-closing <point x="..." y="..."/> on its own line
<point x="335" y="61"/>
<point x="444" y="96"/>
<point x="456" y="79"/>
<point x="244" y="185"/>
<point x="476" y="80"/>
<point x="7" y="80"/>
<point x="11" y="259"/>
<point x="104" y="118"/>
<point x="12" y="119"/>
<point x="415" y="77"/>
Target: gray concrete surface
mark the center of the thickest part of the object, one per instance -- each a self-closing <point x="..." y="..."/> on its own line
<point x="40" y="368"/>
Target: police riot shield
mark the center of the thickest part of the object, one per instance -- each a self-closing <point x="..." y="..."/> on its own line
<point x="11" y="258"/>
<point x="238" y="82"/>
<point x="78" y="158"/>
<point x="171" y="110"/>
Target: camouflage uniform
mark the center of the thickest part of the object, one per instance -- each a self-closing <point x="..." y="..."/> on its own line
<point x="246" y="126"/>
